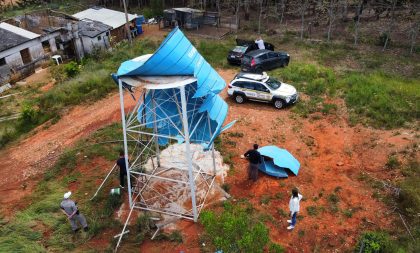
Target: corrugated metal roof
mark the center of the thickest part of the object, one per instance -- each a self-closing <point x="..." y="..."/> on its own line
<point x="109" y="17"/>
<point x="12" y="36"/>
<point x="92" y="28"/>
<point x="19" y="31"/>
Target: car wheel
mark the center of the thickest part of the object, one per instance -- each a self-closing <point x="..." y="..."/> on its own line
<point x="239" y="99"/>
<point x="258" y="70"/>
<point x="278" y="103"/>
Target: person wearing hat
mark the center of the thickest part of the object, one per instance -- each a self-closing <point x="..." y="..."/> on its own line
<point x="69" y="208"/>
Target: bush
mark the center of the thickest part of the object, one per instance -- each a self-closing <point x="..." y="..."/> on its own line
<point x="393" y="162"/>
<point x="235" y="230"/>
<point x="375" y="242"/>
<point x="71" y="69"/>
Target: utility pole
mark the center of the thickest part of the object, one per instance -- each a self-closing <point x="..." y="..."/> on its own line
<point x="127" y="26"/>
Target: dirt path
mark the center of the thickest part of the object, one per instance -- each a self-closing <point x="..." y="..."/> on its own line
<point x="26" y="161"/>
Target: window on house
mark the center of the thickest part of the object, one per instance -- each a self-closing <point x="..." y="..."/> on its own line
<point x="107" y="34"/>
<point x="2" y="61"/>
<point x="99" y="38"/>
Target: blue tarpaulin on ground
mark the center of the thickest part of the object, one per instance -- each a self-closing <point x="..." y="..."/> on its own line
<point x="207" y="111"/>
<point x="279" y="160"/>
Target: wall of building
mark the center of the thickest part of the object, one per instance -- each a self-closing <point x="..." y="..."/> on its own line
<point x="90" y="44"/>
<point x="14" y="60"/>
<point x="36" y="51"/>
<point x="13" y="57"/>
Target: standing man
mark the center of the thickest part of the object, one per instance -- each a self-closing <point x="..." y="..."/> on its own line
<point x="69" y="208"/>
<point x="260" y="43"/>
<point x="294" y="207"/>
<point x="123" y="171"/>
<point x="255" y="159"/>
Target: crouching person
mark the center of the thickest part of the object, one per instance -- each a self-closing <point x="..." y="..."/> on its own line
<point x="69" y="208"/>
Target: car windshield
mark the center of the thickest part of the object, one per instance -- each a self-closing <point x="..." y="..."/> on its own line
<point x="273" y="83"/>
<point x="239" y="49"/>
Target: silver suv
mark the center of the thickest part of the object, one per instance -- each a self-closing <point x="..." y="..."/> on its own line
<point x="261" y="87"/>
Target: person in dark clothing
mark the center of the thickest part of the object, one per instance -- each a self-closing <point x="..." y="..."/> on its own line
<point x="255" y="159"/>
<point x="123" y="171"/>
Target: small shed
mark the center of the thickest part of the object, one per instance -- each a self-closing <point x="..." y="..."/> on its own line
<point x="189" y="18"/>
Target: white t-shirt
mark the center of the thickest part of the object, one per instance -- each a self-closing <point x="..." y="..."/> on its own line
<point x="260" y="44"/>
<point x="294" y="204"/>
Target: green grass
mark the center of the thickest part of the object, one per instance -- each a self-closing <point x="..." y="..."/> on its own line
<point x="24" y="232"/>
<point x="376" y="99"/>
<point x="215" y="52"/>
<point x="236" y="229"/>
<point x="382" y="100"/>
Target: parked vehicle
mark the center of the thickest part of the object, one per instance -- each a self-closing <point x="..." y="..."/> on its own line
<point x="260" y="60"/>
<point x="261" y="87"/>
<point x="244" y="46"/>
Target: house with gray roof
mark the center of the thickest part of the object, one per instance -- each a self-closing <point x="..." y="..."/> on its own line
<point x="18" y="49"/>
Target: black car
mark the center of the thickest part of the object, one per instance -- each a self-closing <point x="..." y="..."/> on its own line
<point x="244" y="46"/>
<point x="261" y="59"/>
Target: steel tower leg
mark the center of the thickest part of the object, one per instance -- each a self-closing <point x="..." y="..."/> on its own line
<point x="188" y="152"/>
<point x="130" y="201"/>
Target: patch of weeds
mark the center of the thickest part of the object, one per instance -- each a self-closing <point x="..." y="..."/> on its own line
<point x="230" y="143"/>
<point x="312" y="210"/>
<point x="71" y="178"/>
<point x="279" y="195"/>
<point x="265" y="217"/>
<point x="393" y="162"/>
<point x="338" y="189"/>
<point x="275" y="248"/>
<point x="301" y="233"/>
<point x="226" y="187"/>
<point x="175" y="236"/>
<point x="328" y="108"/>
<point x="235" y="134"/>
<point x="333" y="198"/>
<point x="265" y="199"/>
<point x="348" y="213"/>
<point x="334" y="208"/>
<point x="282" y="213"/>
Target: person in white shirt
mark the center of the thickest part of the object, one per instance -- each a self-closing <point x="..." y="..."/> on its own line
<point x="294" y="207"/>
<point x="260" y="43"/>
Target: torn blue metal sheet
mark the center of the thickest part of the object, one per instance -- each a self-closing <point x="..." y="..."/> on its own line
<point x="271" y="169"/>
<point x="176" y="56"/>
<point x="281" y="158"/>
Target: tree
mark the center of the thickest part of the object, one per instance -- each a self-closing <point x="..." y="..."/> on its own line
<point x="356" y="26"/>
<point x="332" y="14"/>
<point x="261" y="3"/>
<point x="302" y="11"/>
<point x="391" y="25"/>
